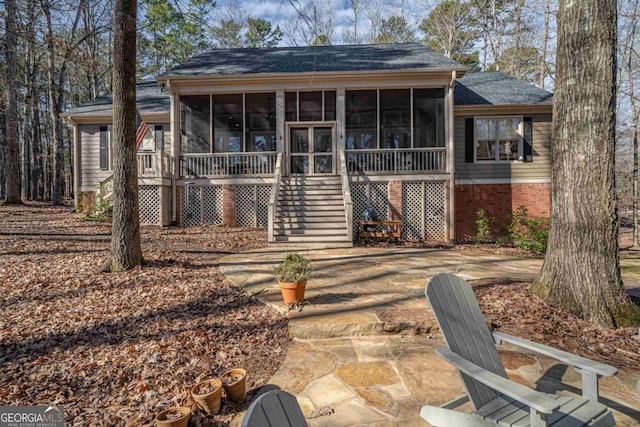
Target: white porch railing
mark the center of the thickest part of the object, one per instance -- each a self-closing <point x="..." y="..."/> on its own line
<point x="105" y="188"/>
<point x="346" y="193"/>
<point x="154" y="165"/>
<point x="227" y="164"/>
<point x="397" y="160"/>
<point x="273" y="197"/>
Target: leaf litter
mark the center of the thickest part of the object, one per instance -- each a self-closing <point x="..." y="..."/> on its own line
<point x="118" y="348"/>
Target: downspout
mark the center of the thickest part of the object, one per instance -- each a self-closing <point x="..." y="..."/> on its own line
<point x="450" y="158"/>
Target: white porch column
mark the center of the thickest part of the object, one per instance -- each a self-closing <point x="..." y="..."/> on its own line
<point x="341" y="119"/>
<point x="450" y="155"/>
<point x="175" y="148"/>
<point x="281" y="129"/>
<point x="76" y="164"/>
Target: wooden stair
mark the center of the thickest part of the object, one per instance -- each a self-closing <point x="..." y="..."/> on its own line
<point x="310" y="211"/>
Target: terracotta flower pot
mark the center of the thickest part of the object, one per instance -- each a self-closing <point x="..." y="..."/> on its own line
<point x="176" y="416"/>
<point x="289" y="291"/>
<point x="208" y="395"/>
<point x="234" y="382"/>
<point x="300" y="290"/>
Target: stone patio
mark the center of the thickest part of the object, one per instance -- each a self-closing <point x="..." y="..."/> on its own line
<point x="363" y="347"/>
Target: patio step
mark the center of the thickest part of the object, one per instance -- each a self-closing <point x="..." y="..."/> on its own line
<point x="310" y="210"/>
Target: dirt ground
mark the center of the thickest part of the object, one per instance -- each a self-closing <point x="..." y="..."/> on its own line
<point x="115" y="349"/>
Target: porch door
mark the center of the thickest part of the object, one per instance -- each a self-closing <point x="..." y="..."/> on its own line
<point x="312" y="150"/>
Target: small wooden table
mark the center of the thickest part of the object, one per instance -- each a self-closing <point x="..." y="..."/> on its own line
<point x="382" y="229"/>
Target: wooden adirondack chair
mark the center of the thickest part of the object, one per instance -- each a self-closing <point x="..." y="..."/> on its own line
<point x="496" y="400"/>
<point x="275" y="408"/>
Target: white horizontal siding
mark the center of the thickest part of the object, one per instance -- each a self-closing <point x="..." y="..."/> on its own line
<point x="90" y="173"/>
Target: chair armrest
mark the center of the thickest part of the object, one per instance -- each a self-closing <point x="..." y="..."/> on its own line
<point x="572" y="359"/>
<point x="539" y="401"/>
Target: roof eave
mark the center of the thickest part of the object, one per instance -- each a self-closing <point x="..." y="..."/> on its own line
<point x="162" y="79"/>
<point x="464" y="110"/>
<point x="92" y="118"/>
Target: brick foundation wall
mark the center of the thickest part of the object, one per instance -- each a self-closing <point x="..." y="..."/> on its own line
<point x="395" y="200"/>
<point x="86" y="201"/>
<point x="229" y="205"/>
<point x="498" y="200"/>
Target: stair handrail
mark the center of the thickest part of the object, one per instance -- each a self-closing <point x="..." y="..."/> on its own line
<point x="346" y="193"/>
<point x="273" y="197"/>
<point x="105" y="187"/>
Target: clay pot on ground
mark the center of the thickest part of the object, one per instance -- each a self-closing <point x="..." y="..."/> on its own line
<point x="292" y="274"/>
<point x="234" y="382"/>
<point x="208" y="395"/>
<point x="176" y="416"/>
<point x="290" y="291"/>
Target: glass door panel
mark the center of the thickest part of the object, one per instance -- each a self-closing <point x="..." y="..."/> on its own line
<point x="311" y="150"/>
<point x="299" y="140"/>
<point x="323" y="150"/>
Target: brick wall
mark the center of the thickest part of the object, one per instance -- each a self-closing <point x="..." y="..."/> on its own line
<point x="498" y="200"/>
<point x="229" y="205"/>
<point x="395" y="200"/>
<point x="86" y="201"/>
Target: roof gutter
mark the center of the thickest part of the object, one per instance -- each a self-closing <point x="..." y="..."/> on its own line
<point x="308" y="74"/>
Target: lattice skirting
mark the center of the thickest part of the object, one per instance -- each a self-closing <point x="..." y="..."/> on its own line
<point x="149" y="199"/>
<point x="423" y="210"/>
<point x="252" y="205"/>
<point x="200" y="205"/>
<point x="370" y="195"/>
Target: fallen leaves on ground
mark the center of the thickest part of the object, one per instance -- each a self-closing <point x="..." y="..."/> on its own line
<point x="511" y="308"/>
<point x="117" y="348"/>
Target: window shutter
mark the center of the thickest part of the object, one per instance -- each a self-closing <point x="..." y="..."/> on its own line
<point x="104" y="148"/>
<point x="527" y="139"/>
<point x="468" y="140"/>
<point x="159" y="137"/>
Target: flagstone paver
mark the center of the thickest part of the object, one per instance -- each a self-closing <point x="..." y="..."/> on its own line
<point x="364" y="344"/>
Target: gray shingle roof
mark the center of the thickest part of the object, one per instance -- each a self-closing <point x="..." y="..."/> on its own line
<point x="312" y="58"/>
<point x="149" y="99"/>
<point x="495" y="88"/>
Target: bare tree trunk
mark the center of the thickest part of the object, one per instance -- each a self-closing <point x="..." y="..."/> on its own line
<point x="581" y="270"/>
<point x="11" y="45"/>
<point x="545" y="43"/>
<point x="56" y="98"/>
<point x="126" y="252"/>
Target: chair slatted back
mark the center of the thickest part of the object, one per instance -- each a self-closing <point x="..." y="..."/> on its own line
<point x="275" y="408"/>
<point x="465" y="331"/>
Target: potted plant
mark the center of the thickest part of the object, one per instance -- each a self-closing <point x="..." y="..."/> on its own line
<point x="176" y="416"/>
<point x="292" y="274"/>
<point x="208" y="395"/>
<point x="234" y="383"/>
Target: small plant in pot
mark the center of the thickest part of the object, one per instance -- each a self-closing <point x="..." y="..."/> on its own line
<point x="176" y="416"/>
<point x="292" y="274"/>
<point x="234" y="382"/>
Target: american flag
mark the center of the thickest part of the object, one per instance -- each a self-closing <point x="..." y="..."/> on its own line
<point x="141" y="131"/>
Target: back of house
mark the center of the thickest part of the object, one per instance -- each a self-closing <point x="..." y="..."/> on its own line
<point x="302" y="140"/>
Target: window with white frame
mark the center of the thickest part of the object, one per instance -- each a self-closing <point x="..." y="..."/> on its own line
<point x="498" y="139"/>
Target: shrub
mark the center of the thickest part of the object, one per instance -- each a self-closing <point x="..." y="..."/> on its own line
<point x="484" y="226"/>
<point x="530" y="234"/>
<point x="102" y="211"/>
